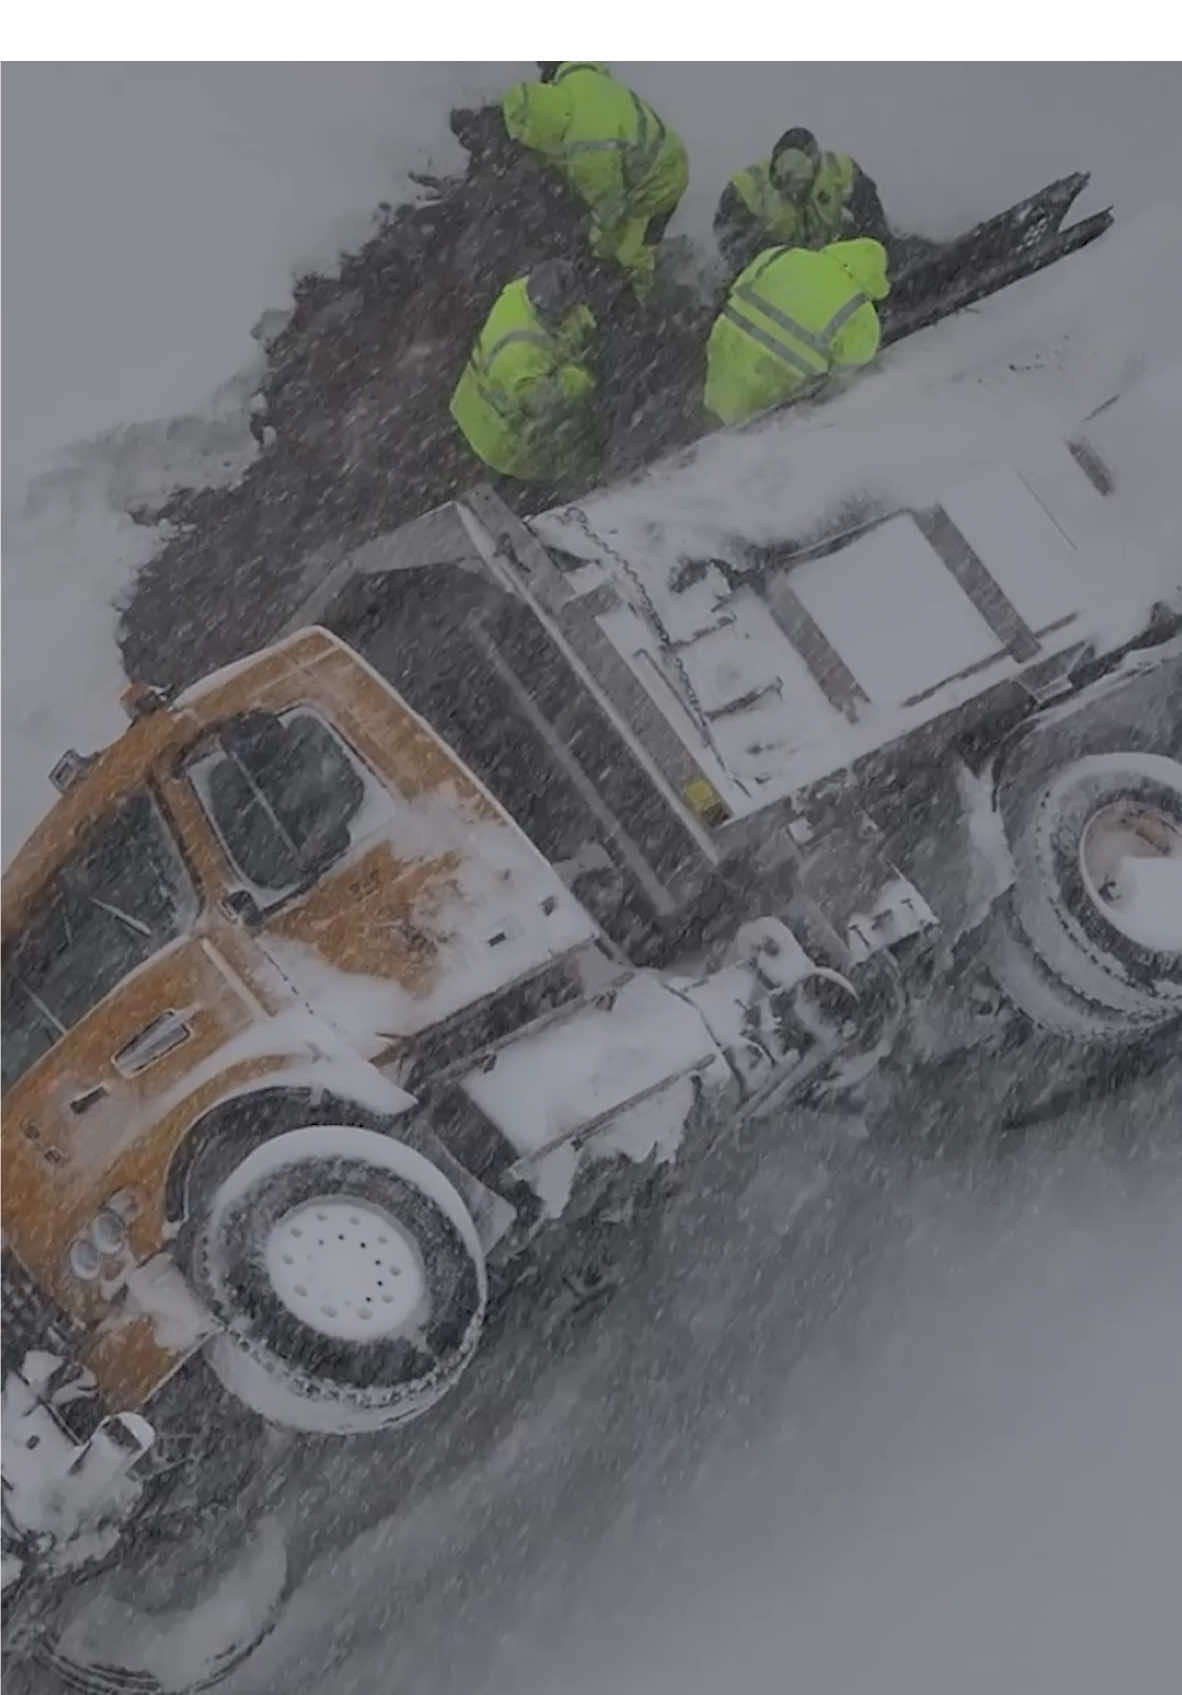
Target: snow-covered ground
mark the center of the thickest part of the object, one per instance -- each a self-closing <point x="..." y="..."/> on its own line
<point x="917" y="1432"/>
<point x="966" y="1481"/>
<point x="152" y="213"/>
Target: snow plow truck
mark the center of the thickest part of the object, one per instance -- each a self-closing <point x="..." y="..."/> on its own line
<point x="352" y="980"/>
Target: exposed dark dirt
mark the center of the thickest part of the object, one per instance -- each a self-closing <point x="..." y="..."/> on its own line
<point x="357" y="388"/>
<point x="355" y="433"/>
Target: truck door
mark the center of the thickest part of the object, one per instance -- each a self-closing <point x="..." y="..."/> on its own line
<point x="114" y="993"/>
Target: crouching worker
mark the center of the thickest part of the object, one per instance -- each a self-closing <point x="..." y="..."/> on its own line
<point x="793" y="319"/>
<point x="525" y="401"/>
<point x="799" y="197"/>
<point x="625" y="164"/>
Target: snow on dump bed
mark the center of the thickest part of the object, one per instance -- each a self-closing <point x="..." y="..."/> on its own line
<point x="980" y="414"/>
<point x="979" y="389"/>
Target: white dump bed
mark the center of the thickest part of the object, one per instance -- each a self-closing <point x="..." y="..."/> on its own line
<point x="777" y="664"/>
<point x="1000" y="493"/>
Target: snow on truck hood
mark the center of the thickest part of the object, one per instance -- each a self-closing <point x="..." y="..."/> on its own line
<point x="989" y="416"/>
<point x="440" y="899"/>
<point x="498" y="915"/>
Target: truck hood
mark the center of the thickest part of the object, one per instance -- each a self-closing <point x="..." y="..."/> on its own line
<point x="385" y="948"/>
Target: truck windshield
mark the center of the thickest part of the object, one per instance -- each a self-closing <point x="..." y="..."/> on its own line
<point x="119" y="898"/>
<point x="281" y="792"/>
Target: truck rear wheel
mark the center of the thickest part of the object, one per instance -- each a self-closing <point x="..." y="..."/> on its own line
<point x="348" y="1276"/>
<point x="1092" y="940"/>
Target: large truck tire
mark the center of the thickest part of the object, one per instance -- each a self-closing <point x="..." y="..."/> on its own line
<point x="348" y="1277"/>
<point x="1090" y="942"/>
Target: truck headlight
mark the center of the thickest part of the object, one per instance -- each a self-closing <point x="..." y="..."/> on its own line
<point x="84" y="1259"/>
<point x="108" y="1232"/>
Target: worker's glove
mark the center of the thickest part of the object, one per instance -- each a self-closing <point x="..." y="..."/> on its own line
<point x="576" y="332"/>
<point x="565" y="389"/>
<point x="607" y="221"/>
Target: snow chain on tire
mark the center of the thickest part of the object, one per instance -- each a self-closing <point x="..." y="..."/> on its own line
<point x="321" y="1382"/>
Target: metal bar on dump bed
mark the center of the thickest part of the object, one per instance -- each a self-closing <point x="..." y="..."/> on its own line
<point x="517" y="543"/>
<point x="828" y="668"/>
<point x="971" y="287"/>
<point x="978" y="583"/>
<point x="1092" y="466"/>
<point x="543" y="587"/>
<point x="612" y="671"/>
<point x="627" y="848"/>
<point x="435" y="540"/>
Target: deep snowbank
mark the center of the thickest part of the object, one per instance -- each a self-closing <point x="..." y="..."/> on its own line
<point x="965" y="1481"/>
<point x="984" y="1500"/>
<point x="70" y="549"/>
<point x="153" y="211"/>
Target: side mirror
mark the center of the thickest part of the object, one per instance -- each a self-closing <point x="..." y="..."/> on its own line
<point x="241" y="906"/>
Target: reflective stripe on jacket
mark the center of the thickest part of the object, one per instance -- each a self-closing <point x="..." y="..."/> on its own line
<point x="792" y="317"/>
<point x="638" y="150"/>
<point x="524" y="387"/>
<point x="813" y="222"/>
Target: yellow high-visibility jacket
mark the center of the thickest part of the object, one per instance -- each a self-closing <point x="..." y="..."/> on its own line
<point x="524" y="399"/>
<point x="612" y="148"/>
<point x="755" y="213"/>
<point x="793" y="318"/>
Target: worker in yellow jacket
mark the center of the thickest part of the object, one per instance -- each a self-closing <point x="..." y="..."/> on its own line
<point x="798" y="197"/>
<point x="793" y="319"/>
<point x="524" y="402"/>
<point x="628" y="167"/>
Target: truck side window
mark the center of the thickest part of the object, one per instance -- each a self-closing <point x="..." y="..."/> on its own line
<point x="281" y="792"/>
<point x="115" y="902"/>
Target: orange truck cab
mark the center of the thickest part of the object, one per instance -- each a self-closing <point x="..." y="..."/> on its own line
<point x="258" y="907"/>
<point x="299" y="1029"/>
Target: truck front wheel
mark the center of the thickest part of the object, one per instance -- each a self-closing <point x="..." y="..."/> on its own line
<point x="348" y="1277"/>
